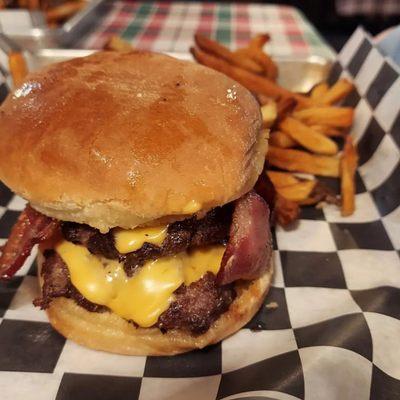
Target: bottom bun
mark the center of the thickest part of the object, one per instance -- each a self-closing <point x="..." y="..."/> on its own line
<point x="108" y="332"/>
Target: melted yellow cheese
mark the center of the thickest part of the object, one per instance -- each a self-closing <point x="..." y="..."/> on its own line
<point x="191" y="207"/>
<point x="202" y="260"/>
<point x="145" y="296"/>
<point x="131" y="240"/>
<point x="149" y="292"/>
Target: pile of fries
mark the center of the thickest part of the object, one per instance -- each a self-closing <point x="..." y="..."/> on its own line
<point x="305" y="130"/>
<point x="56" y="11"/>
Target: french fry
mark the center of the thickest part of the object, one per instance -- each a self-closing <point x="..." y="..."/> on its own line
<point x="308" y="138"/>
<point x="321" y="192"/>
<point x="348" y="166"/>
<point x="244" y="61"/>
<point x="337" y="92"/>
<point x="285" y="211"/>
<point x="63" y="11"/>
<point x="269" y="67"/>
<point x="319" y="90"/>
<point x="18" y="68"/>
<point x="281" y="139"/>
<point x="328" y="131"/>
<point x="252" y="82"/>
<point x="293" y="188"/>
<point x="217" y="49"/>
<point x="259" y="40"/>
<point x="280" y="179"/>
<point x="33" y="4"/>
<point x="337" y="117"/>
<point x="298" y="192"/>
<point x="116" y="43"/>
<point x="269" y="113"/>
<point x="300" y="161"/>
<point x="285" y="106"/>
<point x="263" y="99"/>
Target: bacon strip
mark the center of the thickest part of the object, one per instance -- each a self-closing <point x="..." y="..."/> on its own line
<point x="249" y="249"/>
<point x="266" y="190"/>
<point x="31" y="228"/>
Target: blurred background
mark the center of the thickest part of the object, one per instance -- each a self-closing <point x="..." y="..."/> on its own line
<point x="69" y="23"/>
<point x="336" y="20"/>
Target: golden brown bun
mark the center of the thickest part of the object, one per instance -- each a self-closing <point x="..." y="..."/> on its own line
<point x="109" y="332"/>
<point x="121" y="139"/>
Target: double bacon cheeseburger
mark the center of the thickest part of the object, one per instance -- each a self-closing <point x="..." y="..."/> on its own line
<point x="139" y="172"/>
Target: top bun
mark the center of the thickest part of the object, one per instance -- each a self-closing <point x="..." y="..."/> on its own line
<point x="124" y="139"/>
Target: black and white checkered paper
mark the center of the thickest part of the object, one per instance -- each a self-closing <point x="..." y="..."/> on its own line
<point x="335" y="333"/>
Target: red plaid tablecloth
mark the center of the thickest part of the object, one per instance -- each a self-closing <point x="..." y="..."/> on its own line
<point x="170" y="26"/>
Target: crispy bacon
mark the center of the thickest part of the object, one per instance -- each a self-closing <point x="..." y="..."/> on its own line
<point x="249" y="248"/>
<point x="266" y="190"/>
<point x="31" y="228"/>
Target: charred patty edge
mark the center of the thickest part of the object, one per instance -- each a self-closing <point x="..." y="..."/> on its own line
<point x="195" y="307"/>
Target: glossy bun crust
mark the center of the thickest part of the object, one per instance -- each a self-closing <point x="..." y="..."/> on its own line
<point x="121" y="139"/>
<point x="108" y="332"/>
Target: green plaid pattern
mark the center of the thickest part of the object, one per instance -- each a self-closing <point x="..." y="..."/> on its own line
<point x="170" y="27"/>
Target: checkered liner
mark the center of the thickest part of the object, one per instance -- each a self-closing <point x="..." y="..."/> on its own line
<point x="169" y="27"/>
<point x="334" y="334"/>
<point x="5" y="79"/>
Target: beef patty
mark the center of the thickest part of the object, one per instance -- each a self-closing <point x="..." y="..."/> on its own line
<point x="194" y="309"/>
<point x="181" y="235"/>
<point x="57" y="283"/>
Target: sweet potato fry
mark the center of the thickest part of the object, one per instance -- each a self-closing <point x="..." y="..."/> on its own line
<point x="280" y="179"/>
<point x="348" y="166"/>
<point x="281" y="139"/>
<point x="308" y="138"/>
<point x="18" y="68"/>
<point x="269" y="113"/>
<point x="116" y="43"/>
<point x="337" y="117"/>
<point x="253" y="82"/>
<point x="64" y="11"/>
<point x="300" y="161"/>
<point x="337" y="92"/>
<point x="318" y="91"/>
<point x="217" y="49"/>
<point x="298" y="192"/>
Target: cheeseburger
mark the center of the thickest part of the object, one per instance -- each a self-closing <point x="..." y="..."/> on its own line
<point x="139" y="172"/>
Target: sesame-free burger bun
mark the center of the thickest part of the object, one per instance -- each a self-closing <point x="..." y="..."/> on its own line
<point x="124" y="139"/>
<point x="108" y="332"/>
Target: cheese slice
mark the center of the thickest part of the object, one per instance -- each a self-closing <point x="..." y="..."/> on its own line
<point x="133" y="239"/>
<point x="143" y="297"/>
<point x="202" y="260"/>
<point x="191" y="207"/>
